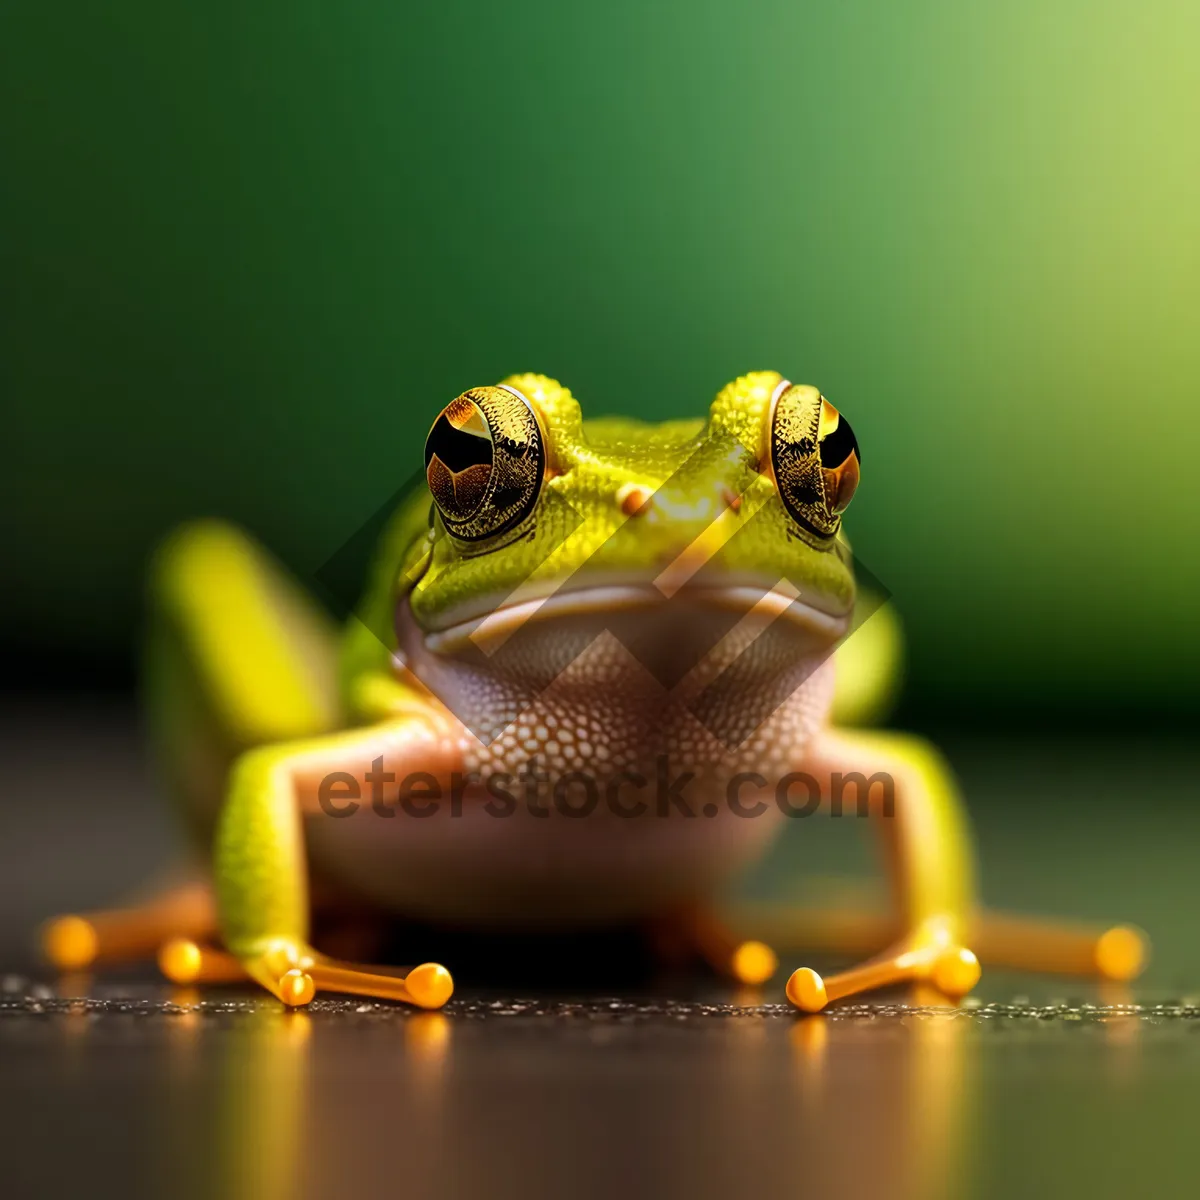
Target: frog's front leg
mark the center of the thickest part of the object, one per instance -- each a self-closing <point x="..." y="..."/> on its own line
<point x="260" y="868"/>
<point x="911" y="796"/>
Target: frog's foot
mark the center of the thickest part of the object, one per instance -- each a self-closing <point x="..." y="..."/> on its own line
<point x="931" y="955"/>
<point x="75" y="942"/>
<point x="295" y="973"/>
<point x="186" y="961"/>
<point x="746" y="961"/>
<point x="1110" y="952"/>
<point x="1117" y="953"/>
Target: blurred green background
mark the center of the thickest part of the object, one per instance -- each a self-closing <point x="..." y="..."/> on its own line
<point x="250" y="250"/>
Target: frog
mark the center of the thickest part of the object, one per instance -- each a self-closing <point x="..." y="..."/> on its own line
<point x="597" y="667"/>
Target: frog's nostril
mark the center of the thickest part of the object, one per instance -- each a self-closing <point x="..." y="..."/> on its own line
<point x="634" y="499"/>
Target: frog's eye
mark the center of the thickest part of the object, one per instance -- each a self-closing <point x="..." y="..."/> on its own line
<point x="814" y="457"/>
<point x="484" y="462"/>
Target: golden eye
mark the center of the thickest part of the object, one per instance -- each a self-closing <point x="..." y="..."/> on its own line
<point x="484" y="462"/>
<point x="815" y="458"/>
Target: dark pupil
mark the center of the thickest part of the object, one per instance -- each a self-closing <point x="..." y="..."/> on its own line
<point x="837" y="446"/>
<point x="457" y="448"/>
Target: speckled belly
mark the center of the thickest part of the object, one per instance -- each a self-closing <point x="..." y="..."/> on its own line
<point x="606" y="831"/>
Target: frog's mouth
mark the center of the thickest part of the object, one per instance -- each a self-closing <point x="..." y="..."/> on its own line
<point x="639" y="609"/>
<point x="727" y="654"/>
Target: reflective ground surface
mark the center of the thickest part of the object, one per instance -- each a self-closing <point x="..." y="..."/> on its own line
<point x="620" y="1084"/>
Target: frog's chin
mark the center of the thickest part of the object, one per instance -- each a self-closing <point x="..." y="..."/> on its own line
<point x="816" y="618"/>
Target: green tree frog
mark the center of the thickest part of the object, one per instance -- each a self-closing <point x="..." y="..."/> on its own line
<point x="598" y="666"/>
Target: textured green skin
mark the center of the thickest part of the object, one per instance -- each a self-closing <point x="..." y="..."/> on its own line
<point x="259" y="873"/>
<point x="255" y="856"/>
<point x="591" y="461"/>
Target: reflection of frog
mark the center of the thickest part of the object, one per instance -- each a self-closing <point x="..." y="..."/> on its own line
<point x="584" y="610"/>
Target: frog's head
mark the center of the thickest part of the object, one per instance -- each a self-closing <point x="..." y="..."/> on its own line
<point x="532" y="504"/>
<point x="541" y="520"/>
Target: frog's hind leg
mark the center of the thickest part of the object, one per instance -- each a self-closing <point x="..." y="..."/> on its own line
<point x="707" y="935"/>
<point x="236" y="655"/>
<point x="1116" y="952"/>
<point x="187" y="961"/>
<point x="79" y="941"/>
